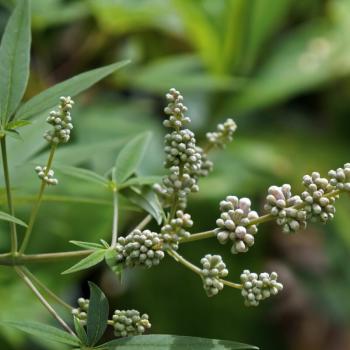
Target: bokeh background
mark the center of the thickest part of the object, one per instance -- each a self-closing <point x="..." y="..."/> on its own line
<point x="281" y="70"/>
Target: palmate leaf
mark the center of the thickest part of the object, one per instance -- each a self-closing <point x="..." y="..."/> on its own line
<point x="8" y="217"/>
<point x="44" y="331"/>
<point x="71" y="87"/>
<point x="14" y="58"/>
<point x="130" y="157"/>
<point x="91" y="260"/>
<point x="172" y="342"/>
<point x="97" y="316"/>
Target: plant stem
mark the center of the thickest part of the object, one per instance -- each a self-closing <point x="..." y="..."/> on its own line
<point x="143" y="223"/>
<point x="179" y="258"/>
<point x="115" y="219"/>
<point x="198" y="236"/>
<point x="8" y="259"/>
<point x="46" y="289"/>
<point x="29" y="283"/>
<point x="14" y="242"/>
<point x="231" y="284"/>
<point x="36" y="206"/>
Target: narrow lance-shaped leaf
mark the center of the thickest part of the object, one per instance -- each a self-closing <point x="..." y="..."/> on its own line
<point x="173" y="342"/>
<point x="44" y="331"/>
<point x="14" y="58"/>
<point x="80" y="330"/>
<point x="91" y="260"/>
<point x="97" y="316"/>
<point x="83" y="174"/>
<point x="87" y="245"/>
<point x="129" y="157"/>
<point x="146" y="199"/>
<point x="71" y="87"/>
<point x="141" y="181"/>
<point x="8" y="217"/>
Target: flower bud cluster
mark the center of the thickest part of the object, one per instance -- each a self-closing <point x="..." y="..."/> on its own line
<point x="340" y="178"/>
<point x="223" y="135"/>
<point x="128" y="323"/>
<point x="213" y="270"/>
<point x="140" y="248"/>
<point x="80" y="313"/>
<point x="48" y="176"/>
<point x="234" y="224"/>
<point x="318" y="205"/>
<point x="176" y="229"/>
<point x="180" y="148"/>
<point x="279" y="203"/>
<point x="257" y="288"/>
<point x="175" y="109"/>
<point x="61" y="121"/>
<point x="184" y="159"/>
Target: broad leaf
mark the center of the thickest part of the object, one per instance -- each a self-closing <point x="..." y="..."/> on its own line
<point x="87" y="245"/>
<point x="14" y="58"/>
<point x="80" y="330"/>
<point x="8" y="217"/>
<point x="129" y="158"/>
<point x="141" y="181"/>
<point x="146" y="199"/>
<point x="44" y="331"/>
<point x="83" y="174"/>
<point x="97" y="316"/>
<point x="70" y="87"/>
<point x="173" y="342"/>
<point x="91" y="260"/>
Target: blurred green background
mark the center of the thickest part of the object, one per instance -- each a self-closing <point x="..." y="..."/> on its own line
<point x="281" y="70"/>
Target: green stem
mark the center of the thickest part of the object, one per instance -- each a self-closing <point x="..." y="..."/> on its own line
<point x="51" y="310"/>
<point x="179" y="258"/>
<point x="14" y="242"/>
<point x="115" y="219"/>
<point x="143" y="223"/>
<point x="198" y="236"/>
<point x="9" y="260"/>
<point x="46" y="289"/>
<point x="36" y="206"/>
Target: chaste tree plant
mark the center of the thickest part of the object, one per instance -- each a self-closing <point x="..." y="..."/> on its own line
<point x="164" y="201"/>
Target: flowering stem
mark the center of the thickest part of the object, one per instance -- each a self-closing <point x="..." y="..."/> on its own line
<point x="46" y="289"/>
<point x="260" y="220"/>
<point x="14" y="241"/>
<point x="29" y="283"/>
<point x="179" y="258"/>
<point x="115" y="219"/>
<point x="37" y="203"/>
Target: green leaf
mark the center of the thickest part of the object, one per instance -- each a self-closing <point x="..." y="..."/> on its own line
<point x="129" y="157"/>
<point x="71" y="87"/>
<point x="87" y="245"/>
<point x="83" y="174"/>
<point x="91" y="260"/>
<point x="8" y="217"/>
<point x="141" y="181"/>
<point x="15" y="124"/>
<point x="14" y="58"/>
<point x="111" y="261"/>
<point x="44" y="331"/>
<point x="80" y="330"/>
<point x="97" y="316"/>
<point x="173" y="342"/>
<point x="146" y="199"/>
